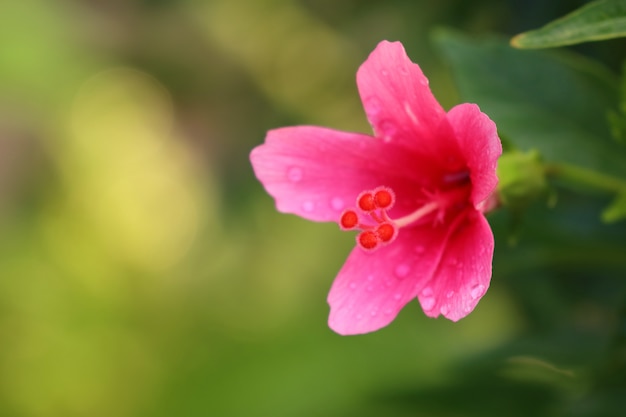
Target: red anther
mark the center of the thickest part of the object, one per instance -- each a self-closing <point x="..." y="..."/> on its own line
<point x="367" y="240"/>
<point x="386" y="232"/>
<point x="384" y="198"/>
<point x="365" y="201"/>
<point x="349" y="220"/>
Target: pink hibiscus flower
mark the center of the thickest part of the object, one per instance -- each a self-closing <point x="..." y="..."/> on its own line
<point x="416" y="192"/>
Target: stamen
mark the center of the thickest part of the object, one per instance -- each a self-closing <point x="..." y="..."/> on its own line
<point x="349" y="220"/>
<point x="365" y="201"/>
<point x="417" y="214"/>
<point x="386" y="232"/>
<point x="384" y="198"/>
<point x="378" y="229"/>
<point x="374" y="205"/>
<point x="367" y="240"/>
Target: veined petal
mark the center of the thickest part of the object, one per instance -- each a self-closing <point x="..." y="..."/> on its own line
<point x="372" y="287"/>
<point x="399" y="104"/>
<point x="464" y="272"/>
<point x="316" y="172"/>
<point x="479" y="142"/>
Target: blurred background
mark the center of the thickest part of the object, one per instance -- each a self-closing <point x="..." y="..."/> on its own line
<point x="145" y="272"/>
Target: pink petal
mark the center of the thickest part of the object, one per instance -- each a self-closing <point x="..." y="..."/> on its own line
<point x="464" y="272"/>
<point x="478" y="138"/>
<point x="316" y="172"/>
<point x="400" y="105"/>
<point x="372" y="287"/>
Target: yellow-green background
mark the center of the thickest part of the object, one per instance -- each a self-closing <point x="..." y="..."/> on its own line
<point x="144" y="271"/>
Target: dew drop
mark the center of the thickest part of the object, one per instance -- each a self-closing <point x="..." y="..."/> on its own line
<point x="373" y="313"/>
<point x="427" y="303"/>
<point x="397" y="296"/>
<point x="388" y="130"/>
<point x="352" y="285"/>
<point x="388" y="311"/>
<point x="359" y="316"/>
<point x="449" y="294"/>
<point x="385" y="73"/>
<point x="402" y="270"/>
<point x="370" y="278"/>
<point x="477" y="291"/>
<point x="308" y="206"/>
<point x="427" y="292"/>
<point x="404" y="71"/>
<point x="419" y="249"/>
<point x="370" y="288"/>
<point x="373" y="106"/>
<point x="294" y="174"/>
<point x="337" y="203"/>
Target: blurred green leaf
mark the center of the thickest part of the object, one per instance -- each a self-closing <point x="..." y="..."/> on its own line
<point x="617" y="118"/>
<point x="598" y="20"/>
<point x="553" y="102"/>
<point x="616" y="210"/>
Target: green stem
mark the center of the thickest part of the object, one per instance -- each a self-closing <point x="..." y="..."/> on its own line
<point x="576" y="175"/>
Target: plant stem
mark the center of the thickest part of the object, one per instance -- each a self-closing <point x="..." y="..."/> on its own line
<point x="576" y="175"/>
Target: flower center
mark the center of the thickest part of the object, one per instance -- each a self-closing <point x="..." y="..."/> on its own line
<point x="378" y="229"/>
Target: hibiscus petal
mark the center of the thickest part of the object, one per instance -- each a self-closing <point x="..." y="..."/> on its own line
<point x="464" y="272"/>
<point x="316" y="172"/>
<point x="372" y="287"/>
<point x="400" y="105"/>
<point x="478" y="138"/>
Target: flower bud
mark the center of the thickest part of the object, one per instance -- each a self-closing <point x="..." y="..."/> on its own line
<point x="521" y="178"/>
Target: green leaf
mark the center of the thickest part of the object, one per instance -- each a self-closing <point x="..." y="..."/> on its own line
<point x="617" y="119"/>
<point x="616" y="210"/>
<point x="552" y="101"/>
<point x="598" y="20"/>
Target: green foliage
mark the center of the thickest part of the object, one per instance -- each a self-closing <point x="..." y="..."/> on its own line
<point x="617" y="118"/>
<point x="555" y="103"/>
<point x="598" y="20"/>
<point x="616" y="210"/>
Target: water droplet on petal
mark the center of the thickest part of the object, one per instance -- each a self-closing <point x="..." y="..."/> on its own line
<point x="449" y="294"/>
<point x="387" y="130"/>
<point x="444" y="309"/>
<point x="477" y="291"/>
<point x="427" y="303"/>
<point x="404" y="71"/>
<point x="397" y="296"/>
<point x="370" y="278"/>
<point x="419" y="249"/>
<point x="308" y="206"/>
<point x="388" y="311"/>
<point x="373" y="106"/>
<point x="337" y="203"/>
<point x="385" y="73"/>
<point x="427" y="292"/>
<point x="402" y="270"/>
<point x="294" y="174"/>
<point x="359" y="316"/>
<point x="353" y="285"/>
<point x="373" y="313"/>
<point x="370" y="288"/>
